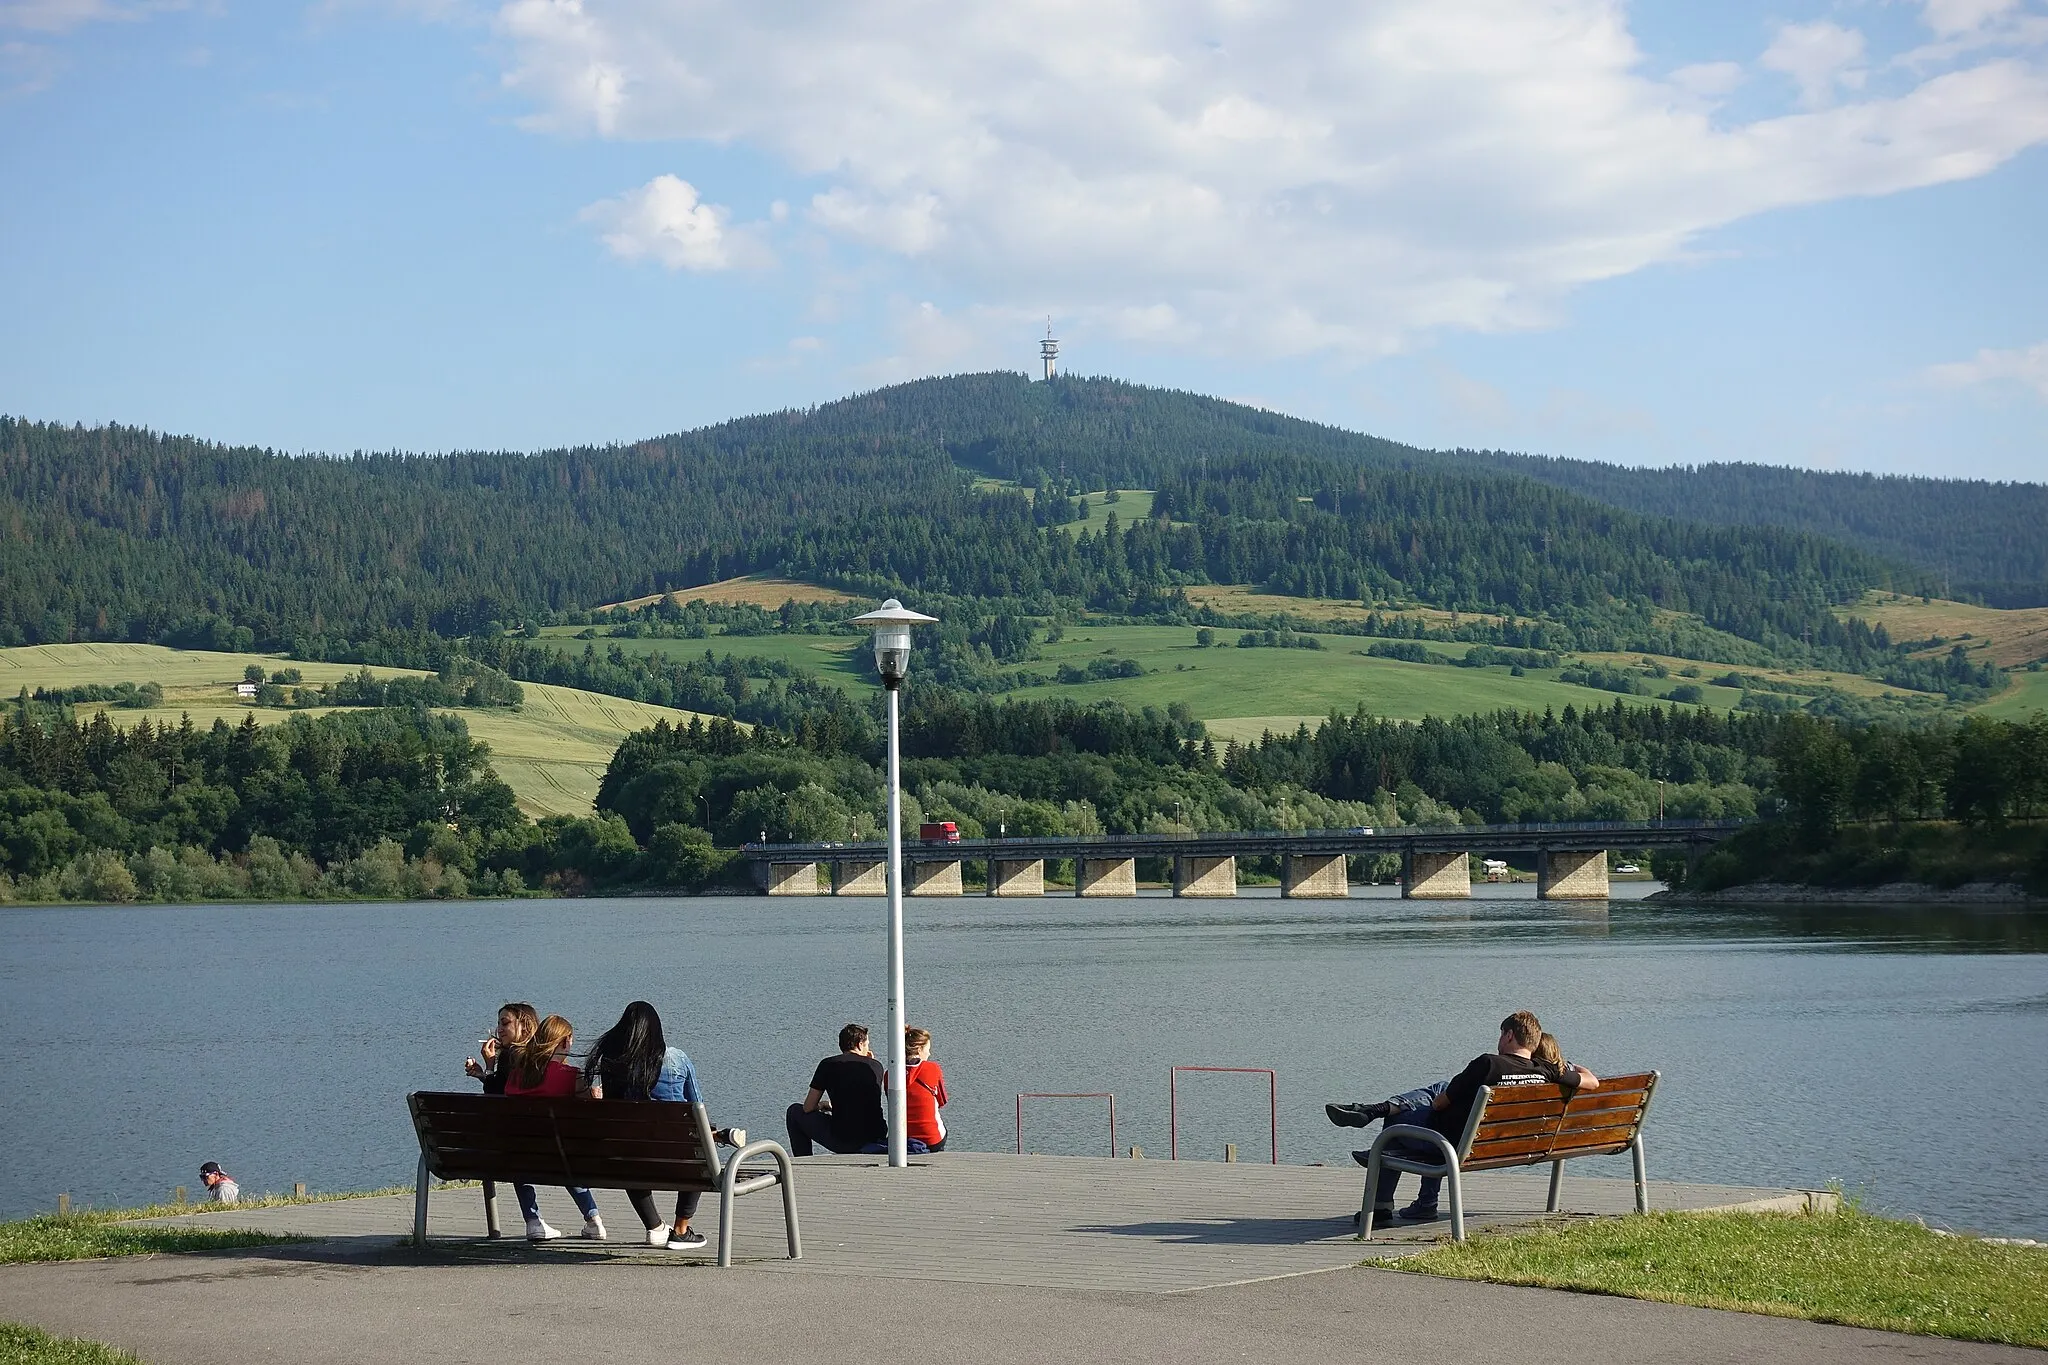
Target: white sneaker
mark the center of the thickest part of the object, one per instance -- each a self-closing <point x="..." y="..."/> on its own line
<point x="731" y="1137"/>
<point x="538" y="1231"/>
<point x="593" y="1229"/>
<point x="658" y="1237"/>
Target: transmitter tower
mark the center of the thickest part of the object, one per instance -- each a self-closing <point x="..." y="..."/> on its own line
<point x="1049" y="351"/>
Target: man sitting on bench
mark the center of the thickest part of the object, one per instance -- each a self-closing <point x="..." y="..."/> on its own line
<point x="1511" y="1064"/>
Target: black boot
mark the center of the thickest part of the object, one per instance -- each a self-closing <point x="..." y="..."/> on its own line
<point x="1357" y="1115"/>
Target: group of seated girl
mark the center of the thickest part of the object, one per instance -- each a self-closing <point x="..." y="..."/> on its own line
<point x="527" y="1055"/>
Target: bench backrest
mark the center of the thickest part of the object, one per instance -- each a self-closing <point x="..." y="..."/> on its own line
<point x="1524" y="1124"/>
<point x="610" y="1144"/>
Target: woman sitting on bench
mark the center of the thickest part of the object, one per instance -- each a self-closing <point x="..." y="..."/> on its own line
<point x="540" y="1070"/>
<point x="633" y="1061"/>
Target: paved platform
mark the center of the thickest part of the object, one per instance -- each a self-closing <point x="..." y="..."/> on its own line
<point x="1039" y="1221"/>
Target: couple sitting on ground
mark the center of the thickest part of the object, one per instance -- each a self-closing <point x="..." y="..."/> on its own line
<point x="631" y="1061"/>
<point x="843" y="1110"/>
<point x="1525" y="1055"/>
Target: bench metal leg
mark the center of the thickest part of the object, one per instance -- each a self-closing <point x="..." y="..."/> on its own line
<point x="491" y="1207"/>
<point x="785" y="1176"/>
<point x="1635" y="1150"/>
<point x="725" y="1205"/>
<point x="1556" y="1185"/>
<point x="419" y="1204"/>
<point x="796" y="1244"/>
<point x="1457" y="1185"/>
<point x="1372" y="1183"/>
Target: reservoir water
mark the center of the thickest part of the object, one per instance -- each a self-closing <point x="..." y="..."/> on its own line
<point x="1897" y="1052"/>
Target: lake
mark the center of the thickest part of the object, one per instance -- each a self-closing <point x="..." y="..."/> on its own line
<point x="1894" y="1051"/>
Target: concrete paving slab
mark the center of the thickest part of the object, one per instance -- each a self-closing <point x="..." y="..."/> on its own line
<point x="303" y="1306"/>
<point x="988" y="1218"/>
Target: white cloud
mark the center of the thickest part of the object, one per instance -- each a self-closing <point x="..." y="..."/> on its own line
<point x="2026" y="365"/>
<point x="1276" y="176"/>
<point x="1820" y="57"/>
<point x="1951" y="17"/>
<point x="665" y="221"/>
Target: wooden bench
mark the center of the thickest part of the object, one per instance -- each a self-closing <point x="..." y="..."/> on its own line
<point x="599" y="1144"/>
<point x="1523" y="1126"/>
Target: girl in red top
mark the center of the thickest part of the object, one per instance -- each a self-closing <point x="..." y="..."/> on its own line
<point x="540" y="1070"/>
<point x="925" y="1087"/>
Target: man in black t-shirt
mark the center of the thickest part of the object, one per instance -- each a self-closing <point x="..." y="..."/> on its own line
<point x="1510" y="1065"/>
<point x="843" y="1111"/>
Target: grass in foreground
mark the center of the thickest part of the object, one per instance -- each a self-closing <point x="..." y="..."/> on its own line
<point x="88" y="1236"/>
<point x="84" y="1234"/>
<point x="21" y="1345"/>
<point x="1849" y="1267"/>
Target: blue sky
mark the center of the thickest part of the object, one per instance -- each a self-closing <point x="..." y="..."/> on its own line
<point x="1801" y="232"/>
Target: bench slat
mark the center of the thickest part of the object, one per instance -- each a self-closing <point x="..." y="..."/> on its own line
<point x="1600" y="1118"/>
<point x="1509" y="1111"/>
<point x="541" y="1149"/>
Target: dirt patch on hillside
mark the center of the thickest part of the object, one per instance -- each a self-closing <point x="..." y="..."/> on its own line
<point x="1238" y="598"/>
<point x="2008" y="638"/>
<point x="758" y="590"/>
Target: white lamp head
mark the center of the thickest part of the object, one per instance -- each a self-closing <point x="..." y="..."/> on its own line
<point x="892" y="622"/>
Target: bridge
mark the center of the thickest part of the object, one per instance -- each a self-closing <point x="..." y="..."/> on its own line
<point x="1571" y="859"/>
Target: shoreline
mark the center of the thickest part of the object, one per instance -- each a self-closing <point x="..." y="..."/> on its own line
<point x="1996" y="894"/>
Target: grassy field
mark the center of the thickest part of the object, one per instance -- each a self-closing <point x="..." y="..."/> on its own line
<point x="760" y="590"/>
<point x="552" y="752"/>
<point x="1132" y="504"/>
<point x="829" y="656"/>
<point x="1239" y="692"/>
<point x="1855" y="684"/>
<point x="89" y="1236"/>
<point x="2027" y="695"/>
<point x="2007" y="638"/>
<point x="21" y="1345"/>
<point x="1239" y="598"/>
<point x="1847" y="1267"/>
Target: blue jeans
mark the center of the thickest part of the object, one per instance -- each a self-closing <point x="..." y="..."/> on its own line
<point x="1418" y="1099"/>
<point x="1426" y="1192"/>
<point x="529" y="1202"/>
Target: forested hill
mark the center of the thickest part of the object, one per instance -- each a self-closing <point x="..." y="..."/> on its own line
<point x="1988" y="540"/>
<point x="120" y="533"/>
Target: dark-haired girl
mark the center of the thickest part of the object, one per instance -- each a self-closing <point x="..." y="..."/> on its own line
<point x="633" y="1061"/>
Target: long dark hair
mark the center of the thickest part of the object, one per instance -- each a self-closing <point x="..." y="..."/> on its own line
<point x="632" y="1050"/>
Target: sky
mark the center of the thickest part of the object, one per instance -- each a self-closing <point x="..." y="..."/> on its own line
<point x="1795" y="232"/>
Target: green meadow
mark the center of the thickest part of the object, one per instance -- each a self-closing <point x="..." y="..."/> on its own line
<point x="552" y="751"/>
<point x="1239" y="692"/>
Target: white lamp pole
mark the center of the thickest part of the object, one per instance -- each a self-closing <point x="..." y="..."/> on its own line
<point x="892" y="622"/>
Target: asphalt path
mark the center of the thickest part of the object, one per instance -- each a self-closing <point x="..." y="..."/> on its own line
<point x="300" y="1304"/>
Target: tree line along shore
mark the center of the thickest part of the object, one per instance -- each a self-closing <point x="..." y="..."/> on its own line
<point x="403" y="802"/>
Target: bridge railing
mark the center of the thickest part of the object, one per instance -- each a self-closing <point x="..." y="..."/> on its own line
<point x="1387" y="837"/>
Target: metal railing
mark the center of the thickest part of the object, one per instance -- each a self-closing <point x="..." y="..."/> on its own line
<point x="1173" y="1102"/>
<point x="1066" y="1095"/>
<point x="1356" y="839"/>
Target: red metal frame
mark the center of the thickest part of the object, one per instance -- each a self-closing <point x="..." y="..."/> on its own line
<point x="1173" y="1101"/>
<point x="1066" y="1095"/>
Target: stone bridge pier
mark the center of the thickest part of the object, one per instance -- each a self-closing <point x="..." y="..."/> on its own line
<point x="1105" y="876"/>
<point x="1435" y="876"/>
<point x="1563" y="875"/>
<point x="1322" y="876"/>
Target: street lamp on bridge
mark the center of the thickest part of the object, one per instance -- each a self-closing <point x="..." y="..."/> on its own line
<point x="892" y="622"/>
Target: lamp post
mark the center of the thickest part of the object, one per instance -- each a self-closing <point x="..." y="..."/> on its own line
<point x="892" y="622"/>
